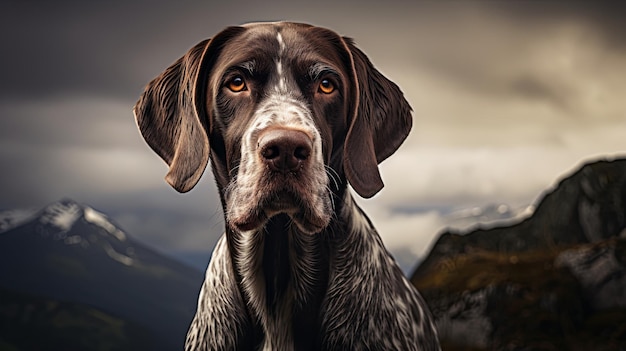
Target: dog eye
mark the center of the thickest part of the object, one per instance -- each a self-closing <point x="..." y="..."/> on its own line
<point x="237" y="84"/>
<point x="326" y="86"/>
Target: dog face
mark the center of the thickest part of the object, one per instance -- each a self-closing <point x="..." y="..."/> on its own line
<point x="276" y="97"/>
<point x="287" y="112"/>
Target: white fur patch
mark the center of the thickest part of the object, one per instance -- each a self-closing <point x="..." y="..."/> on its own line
<point x="282" y="82"/>
<point x="281" y="43"/>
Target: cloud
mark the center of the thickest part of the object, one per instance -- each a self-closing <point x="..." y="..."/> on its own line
<point x="173" y="230"/>
<point x="69" y="145"/>
<point x="69" y="121"/>
<point x="411" y="232"/>
<point x="109" y="49"/>
<point x="462" y="176"/>
<point x="470" y="60"/>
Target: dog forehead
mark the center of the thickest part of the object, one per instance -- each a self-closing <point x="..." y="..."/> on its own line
<point x="267" y="42"/>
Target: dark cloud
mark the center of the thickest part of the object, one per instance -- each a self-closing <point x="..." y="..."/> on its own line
<point x="539" y="89"/>
<point x="605" y="18"/>
<point x="69" y="122"/>
<point x="113" y="47"/>
<point x="96" y="47"/>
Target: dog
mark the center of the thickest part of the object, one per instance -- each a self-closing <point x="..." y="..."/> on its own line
<point x="289" y="115"/>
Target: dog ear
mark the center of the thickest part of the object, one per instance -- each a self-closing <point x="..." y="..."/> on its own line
<point x="171" y="113"/>
<point x="380" y="123"/>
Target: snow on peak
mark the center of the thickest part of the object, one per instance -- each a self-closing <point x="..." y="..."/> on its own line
<point x="13" y="218"/>
<point x="64" y="214"/>
<point x="99" y="219"/>
<point x="61" y="215"/>
<point x="94" y="217"/>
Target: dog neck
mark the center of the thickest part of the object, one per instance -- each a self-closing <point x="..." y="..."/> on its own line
<point x="283" y="274"/>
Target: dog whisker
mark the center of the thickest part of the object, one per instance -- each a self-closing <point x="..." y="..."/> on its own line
<point x="332" y="175"/>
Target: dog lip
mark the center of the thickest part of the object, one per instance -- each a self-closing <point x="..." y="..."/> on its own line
<point x="280" y="202"/>
<point x="248" y="222"/>
<point x="292" y="204"/>
<point x="309" y="224"/>
<point x="283" y="201"/>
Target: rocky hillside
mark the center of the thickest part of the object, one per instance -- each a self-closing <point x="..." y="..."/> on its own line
<point x="554" y="281"/>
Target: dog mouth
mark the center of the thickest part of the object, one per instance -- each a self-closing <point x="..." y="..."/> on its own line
<point x="300" y="211"/>
<point x="284" y="201"/>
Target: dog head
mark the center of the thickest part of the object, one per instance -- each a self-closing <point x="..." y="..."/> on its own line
<point x="286" y="112"/>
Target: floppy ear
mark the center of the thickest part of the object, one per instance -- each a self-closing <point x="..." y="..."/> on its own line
<point x="172" y="116"/>
<point x="380" y="123"/>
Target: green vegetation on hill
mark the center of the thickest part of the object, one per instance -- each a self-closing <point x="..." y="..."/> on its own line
<point x="530" y="302"/>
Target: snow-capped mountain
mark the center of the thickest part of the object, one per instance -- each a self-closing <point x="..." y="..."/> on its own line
<point x="57" y="220"/>
<point x="70" y="252"/>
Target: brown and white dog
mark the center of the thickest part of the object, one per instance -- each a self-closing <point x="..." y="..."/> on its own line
<point x="288" y="114"/>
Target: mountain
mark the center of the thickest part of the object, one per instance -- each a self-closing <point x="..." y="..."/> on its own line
<point x="71" y="254"/>
<point x="555" y="280"/>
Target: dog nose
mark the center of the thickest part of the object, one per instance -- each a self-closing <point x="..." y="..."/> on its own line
<point x="285" y="150"/>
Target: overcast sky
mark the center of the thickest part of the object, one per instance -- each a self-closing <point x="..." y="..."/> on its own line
<point x="507" y="97"/>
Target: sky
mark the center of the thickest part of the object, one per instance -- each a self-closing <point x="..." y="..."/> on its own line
<point x="508" y="97"/>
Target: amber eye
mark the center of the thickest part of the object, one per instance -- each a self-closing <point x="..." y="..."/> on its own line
<point x="237" y="84"/>
<point x="326" y="86"/>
